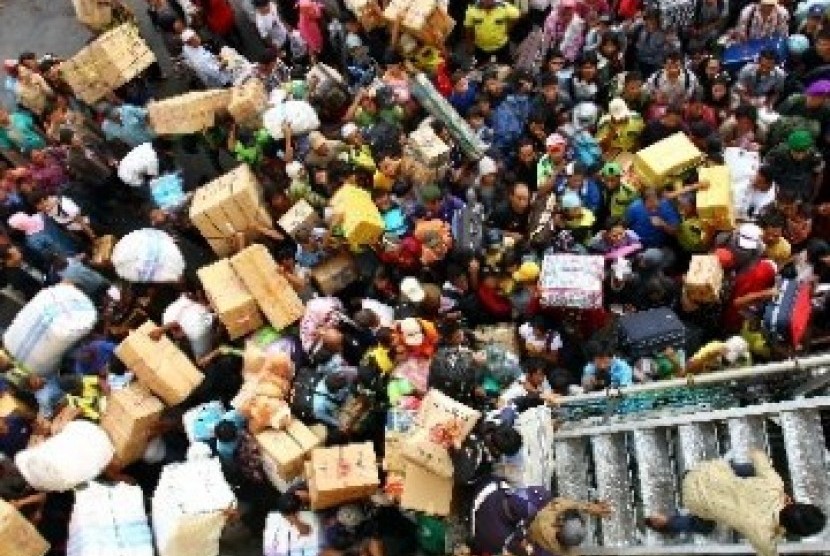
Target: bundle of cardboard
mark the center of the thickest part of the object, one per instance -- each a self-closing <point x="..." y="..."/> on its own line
<point x="247" y="103"/>
<point x="230" y="204"/>
<point x="107" y="63"/>
<point x="191" y="112"/>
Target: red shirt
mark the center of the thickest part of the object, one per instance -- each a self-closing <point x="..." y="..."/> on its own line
<point x="219" y="16"/>
<point x="758" y="278"/>
<point x="494" y="303"/>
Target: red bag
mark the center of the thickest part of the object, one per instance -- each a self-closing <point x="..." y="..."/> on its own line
<point x="788" y="316"/>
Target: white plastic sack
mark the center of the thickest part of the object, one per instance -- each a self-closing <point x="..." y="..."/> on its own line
<point x="281" y="538"/>
<point x="77" y="454"/>
<point x="534" y="464"/>
<point x="48" y="326"/>
<point x="109" y="521"/>
<point x="195" y="319"/>
<point x="188" y="508"/>
<point x="300" y="114"/>
<point x="743" y="166"/>
<point x="148" y="256"/>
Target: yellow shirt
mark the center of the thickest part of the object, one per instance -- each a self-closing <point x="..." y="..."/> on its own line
<point x="491" y="27"/>
<point x="628" y="133"/>
<point x="779" y="252"/>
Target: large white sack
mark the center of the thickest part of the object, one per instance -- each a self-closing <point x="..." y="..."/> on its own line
<point x="188" y="508"/>
<point x="300" y="114"/>
<point x="77" y="454"/>
<point x="195" y="319"/>
<point x="148" y="256"/>
<point x="281" y="538"/>
<point x="534" y="464"/>
<point x="109" y="521"/>
<point x="48" y="326"/>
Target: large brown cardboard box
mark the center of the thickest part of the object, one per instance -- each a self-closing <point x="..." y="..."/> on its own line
<point x="342" y="474"/>
<point x="300" y="218"/>
<point x="95" y="14"/>
<point x="715" y="205"/>
<point x="18" y="537"/>
<point x="128" y="419"/>
<point x="233" y="303"/>
<point x="335" y="274"/>
<point x="159" y="365"/>
<point x="247" y="103"/>
<point x="229" y="204"/>
<point x="426" y="492"/>
<point x="439" y="410"/>
<point x="284" y="452"/>
<point x="703" y="281"/>
<point x="274" y="295"/>
<point x="191" y="112"/>
<point x="107" y="63"/>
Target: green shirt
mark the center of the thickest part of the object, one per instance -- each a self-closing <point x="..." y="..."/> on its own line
<point x="620" y="198"/>
<point x="21" y="134"/>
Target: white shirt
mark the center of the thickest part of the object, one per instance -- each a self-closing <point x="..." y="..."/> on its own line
<point x="140" y="163"/>
<point x="553" y="340"/>
<point x="206" y="66"/>
<point x="517" y="390"/>
<point x="270" y="26"/>
<point x="755" y="201"/>
<point x="64" y="212"/>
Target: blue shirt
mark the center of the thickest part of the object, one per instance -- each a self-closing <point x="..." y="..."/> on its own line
<point x="21" y="133"/>
<point x="639" y="222"/>
<point x="327" y="404"/>
<point x="590" y="193"/>
<point x="132" y="129"/>
<point x="620" y="373"/>
<point x="101" y="351"/>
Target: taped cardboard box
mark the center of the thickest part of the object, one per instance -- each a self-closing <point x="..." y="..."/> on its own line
<point x="428" y="148"/>
<point x="704" y="280"/>
<point x="229" y="204"/>
<point x="426" y="492"/>
<point x="107" y="63"/>
<point x="191" y="112"/>
<point x="336" y="274"/>
<point x="357" y="215"/>
<point x="285" y="452"/>
<point x="128" y="419"/>
<point x="715" y="205"/>
<point x="18" y="536"/>
<point x="233" y="303"/>
<point x="300" y="218"/>
<point x="438" y="27"/>
<point x="439" y="410"/>
<point x="159" y="365"/>
<point x="247" y="103"/>
<point x="263" y="278"/>
<point x="342" y="474"/>
<point x="666" y="159"/>
<point x="95" y="14"/>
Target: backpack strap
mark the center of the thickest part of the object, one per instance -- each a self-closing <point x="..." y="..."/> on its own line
<point x="481" y="497"/>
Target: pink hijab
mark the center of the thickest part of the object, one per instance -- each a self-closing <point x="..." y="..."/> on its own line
<point x="28" y="224"/>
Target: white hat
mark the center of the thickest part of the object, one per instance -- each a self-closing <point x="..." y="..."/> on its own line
<point x="749" y="236"/>
<point x="769" y="2"/>
<point x="411" y="332"/>
<point x="487" y="166"/>
<point x="735" y="348"/>
<point x="188" y="34"/>
<point x="293" y="169"/>
<point x="348" y="130"/>
<point x="412" y="290"/>
<point x="618" y="109"/>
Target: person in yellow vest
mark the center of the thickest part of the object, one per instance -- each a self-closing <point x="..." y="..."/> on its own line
<point x="618" y="194"/>
<point x="747" y="497"/>
<point x="619" y="130"/>
<point x="488" y="24"/>
<point x="360" y="154"/>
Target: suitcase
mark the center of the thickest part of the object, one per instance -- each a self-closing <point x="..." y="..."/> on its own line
<point x="468" y="228"/>
<point x="788" y="316"/>
<point x="647" y="332"/>
<point x="737" y="55"/>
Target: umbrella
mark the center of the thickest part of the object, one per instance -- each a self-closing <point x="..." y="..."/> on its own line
<point x="819" y="88"/>
<point x="148" y="256"/>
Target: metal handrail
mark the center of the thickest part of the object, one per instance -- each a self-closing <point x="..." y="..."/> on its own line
<point x="789" y="365"/>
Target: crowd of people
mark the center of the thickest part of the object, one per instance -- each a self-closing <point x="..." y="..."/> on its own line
<point x="559" y="95"/>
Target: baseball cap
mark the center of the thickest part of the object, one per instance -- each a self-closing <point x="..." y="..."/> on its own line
<point x="749" y="236"/>
<point x="555" y="140"/>
<point x="412" y="290"/>
<point x="188" y="34"/>
<point x="618" y="109"/>
<point x="411" y="332"/>
<point x="527" y="272"/>
<point x="348" y="130"/>
<point x="611" y="169"/>
<point x="800" y="140"/>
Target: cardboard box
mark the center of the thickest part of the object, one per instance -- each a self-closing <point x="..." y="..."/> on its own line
<point x="437" y="29"/>
<point x="336" y="274"/>
<point x="233" y="303"/>
<point x="423" y="450"/>
<point x="342" y="474"/>
<point x="274" y="295"/>
<point x="502" y="335"/>
<point x="159" y="365"/>
<point x="574" y="281"/>
<point x="358" y="216"/>
<point x="428" y="148"/>
<point x="102" y="250"/>
<point x="247" y="103"/>
<point x="438" y="409"/>
<point x="666" y="159"/>
<point x="284" y="452"/>
<point x="229" y="204"/>
<point x="704" y="280"/>
<point x="715" y="205"/>
<point x="10" y="404"/>
<point x="300" y="218"/>
<point x="191" y="112"/>
<point x="18" y="536"/>
<point x="95" y="14"/>
<point x="128" y="418"/>
<point x="393" y="460"/>
<point x="107" y="63"/>
<point x="426" y="492"/>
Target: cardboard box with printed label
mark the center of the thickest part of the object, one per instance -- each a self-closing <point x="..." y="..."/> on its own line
<point x="285" y="452"/>
<point x="300" y="218"/>
<point x="342" y="474"/>
<point x="336" y="274"/>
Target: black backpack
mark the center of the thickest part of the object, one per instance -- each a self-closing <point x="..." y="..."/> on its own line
<point x="303" y="391"/>
<point x="453" y="372"/>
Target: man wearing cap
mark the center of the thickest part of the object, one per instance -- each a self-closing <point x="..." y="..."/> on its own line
<point x="764" y="20"/>
<point x="207" y="67"/>
<point x="552" y="162"/>
<point x="619" y="130"/>
<point x="796" y="166"/>
<point x="618" y="195"/>
<point x="437" y="204"/>
<point x="812" y="104"/>
<point x="488" y="24"/>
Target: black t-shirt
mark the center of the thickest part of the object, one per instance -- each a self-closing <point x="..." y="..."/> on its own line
<point x="506" y="219"/>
